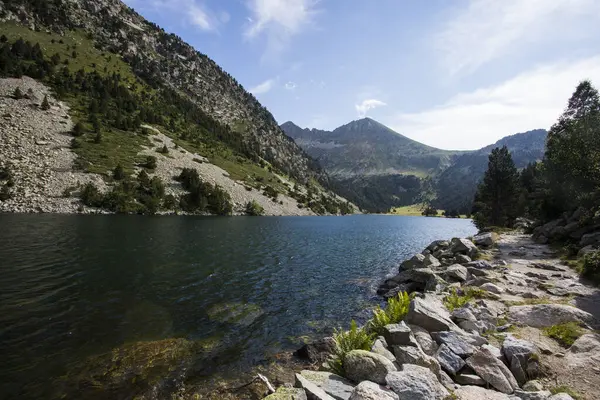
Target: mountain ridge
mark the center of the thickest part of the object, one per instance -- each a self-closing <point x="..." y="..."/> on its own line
<point x="379" y="170"/>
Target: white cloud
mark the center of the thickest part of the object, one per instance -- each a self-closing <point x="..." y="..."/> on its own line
<point x="200" y="18"/>
<point x="290" y="85"/>
<point x="531" y="100"/>
<point x="194" y="12"/>
<point x="363" y="108"/>
<point x="263" y="87"/>
<point x="278" y="20"/>
<point x="490" y="29"/>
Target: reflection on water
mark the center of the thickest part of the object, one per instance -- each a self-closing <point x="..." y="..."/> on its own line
<point x="238" y="289"/>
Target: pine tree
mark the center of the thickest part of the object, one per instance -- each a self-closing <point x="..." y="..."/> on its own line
<point x="17" y="94"/>
<point x="572" y="159"/>
<point x="45" y="104"/>
<point x="119" y="173"/>
<point x="496" y="200"/>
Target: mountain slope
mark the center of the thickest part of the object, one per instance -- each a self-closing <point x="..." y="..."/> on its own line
<point x="366" y="147"/>
<point x="125" y="81"/>
<point x="378" y="168"/>
<point x="456" y="186"/>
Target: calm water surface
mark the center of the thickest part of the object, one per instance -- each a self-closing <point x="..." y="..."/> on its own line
<point x="75" y="286"/>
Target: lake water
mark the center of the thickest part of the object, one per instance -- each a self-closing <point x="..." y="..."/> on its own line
<point x="72" y="287"/>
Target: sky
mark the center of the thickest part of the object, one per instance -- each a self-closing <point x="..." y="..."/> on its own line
<point x="457" y="74"/>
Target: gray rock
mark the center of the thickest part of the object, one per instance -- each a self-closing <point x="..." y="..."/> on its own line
<point x="380" y="347"/>
<point x="438" y="244"/>
<point x="416" y="383"/>
<point x="480" y="264"/>
<point x="449" y="361"/>
<point x="561" y="396"/>
<point x="313" y="391"/>
<point x="318" y="351"/>
<point x="285" y="393"/>
<point x="457" y="273"/>
<point x="463" y="246"/>
<point x="518" y="371"/>
<point x="469" y="379"/>
<point x="361" y="365"/>
<point x="493" y="371"/>
<point x="430" y="314"/>
<point x="333" y="385"/>
<point x="541" y="395"/>
<point x="463" y="259"/>
<point x="586" y="348"/>
<point x="533" y="386"/>
<point x="414" y="355"/>
<point x="518" y="353"/>
<point x="420" y="275"/>
<point x="427" y="344"/>
<point x="544" y="315"/>
<point x="485" y="239"/>
<point x="399" y="334"/>
<point x="416" y="261"/>
<point x="446" y="381"/>
<point x="463" y="314"/>
<point x="478" y="393"/>
<point x="431" y="262"/>
<point x="477" y="272"/>
<point x="494" y="350"/>
<point x="371" y="391"/>
<point x="455" y="342"/>
<point x="587" y="250"/>
<point x="490" y="287"/>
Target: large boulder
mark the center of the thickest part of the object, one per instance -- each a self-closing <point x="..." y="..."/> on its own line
<point x="480" y="264"/>
<point x="371" y="391"/>
<point x="399" y="334"/>
<point x="561" y="396"/>
<point x="380" y="347"/>
<point x="470" y="380"/>
<point x="449" y="361"/>
<point x="416" y="383"/>
<point x="493" y="371"/>
<point x="485" y="239"/>
<point x="456" y="273"/>
<point x="490" y="287"/>
<point x="544" y="315"/>
<point x="317" y="352"/>
<point x="456" y="342"/>
<point x="463" y="246"/>
<point x="540" y="395"/>
<point x="317" y="383"/>
<point x="430" y="314"/>
<point x="416" y="261"/>
<point x="361" y="365"/>
<point x="585" y="349"/>
<point x="590" y="239"/>
<point x="423" y="337"/>
<point x="518" y="353"/>
<point x="478" y="393"/>
<point x="414" y="355"/>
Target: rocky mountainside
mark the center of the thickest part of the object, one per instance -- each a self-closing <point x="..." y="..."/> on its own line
<point x="165" y="59"/>
<point x="139" y="96"/>
<point x="456" y="186"/>
<point x="378" y="168"/>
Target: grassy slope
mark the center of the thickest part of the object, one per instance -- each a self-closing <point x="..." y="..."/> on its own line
<point x="118" y="147"/>
<point x="414" y="210"/>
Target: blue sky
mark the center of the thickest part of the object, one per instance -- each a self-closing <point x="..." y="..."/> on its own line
<point x="457" y="74"/>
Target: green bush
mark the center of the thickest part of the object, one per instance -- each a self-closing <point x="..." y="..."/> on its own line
<point x="91" y="196"/>
<point x="17" y="94"/>
<point x="395" y="311"/>
<point x="459" y="298"/>
<point x="567" y="390"/>
<point x="78" y="130"/>
<point x="254" y="209"/>
<point x="5" y="193"/>
<point x="150" y="162"/>
<point x="566" y="334"/>
<point x="45" y="104"/>
<point x="346" y="341"/>
<point x="591" y="266"/>
<point x="119" y="173"/>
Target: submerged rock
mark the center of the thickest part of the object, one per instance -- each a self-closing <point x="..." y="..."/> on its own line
<point x="318" y="351"/>
<point x="243" y="314"/>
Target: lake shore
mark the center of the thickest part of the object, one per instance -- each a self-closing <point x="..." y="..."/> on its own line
<point x="489" y="328"/>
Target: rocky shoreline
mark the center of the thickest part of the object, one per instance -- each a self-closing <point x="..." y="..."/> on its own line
<point x="482" y="324"/>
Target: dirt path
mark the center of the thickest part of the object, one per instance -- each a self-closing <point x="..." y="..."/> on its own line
<point x="534" y="274"/>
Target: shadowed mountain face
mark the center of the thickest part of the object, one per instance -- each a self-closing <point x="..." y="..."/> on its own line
<point x="378" y="168"/>
<point x="366" y="148"/>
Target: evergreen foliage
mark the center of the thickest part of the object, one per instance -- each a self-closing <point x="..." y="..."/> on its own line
<point x="203" y="196"/>
<point x="430" y="212"/>
<point x="498" y="194"/>
<point x="254" y="209"/>
<point x="45" y="104"/>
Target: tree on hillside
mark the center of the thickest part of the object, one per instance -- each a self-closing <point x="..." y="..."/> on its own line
<point x="496" y="200"/>
<point x="45" y="104"/>
<point x="572" y="159"/>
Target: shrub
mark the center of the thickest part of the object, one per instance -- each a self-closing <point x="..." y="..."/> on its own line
<point x="17" y="94"/>
<point x="91" y="196"/>
<point x="98" y="137"/>
<point x="254" y="209"/>
<point x="591" y="266"/>
<point x="78" y="129"/>
<point x="119" y="173"/>
<point x="430" y="212"/>
<point x="395" y="311"/>
<point x="567" y="390"/>
<point x="150" y="162"/>
<point x="566" y="334"/>
<point x="346" y="341"/>
<point x="5" y="193"/>
<point x="457" y="299"/>
<point x="45" y="104"/>
<point x="163" y="150"/>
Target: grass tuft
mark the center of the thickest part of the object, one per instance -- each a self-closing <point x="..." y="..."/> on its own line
<point x="394" y="312"/>
<point x="567" y="390"/>
<point x="566" y="334"/>
<point x="345" y="341"/>
<point x="459" y="298"/>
